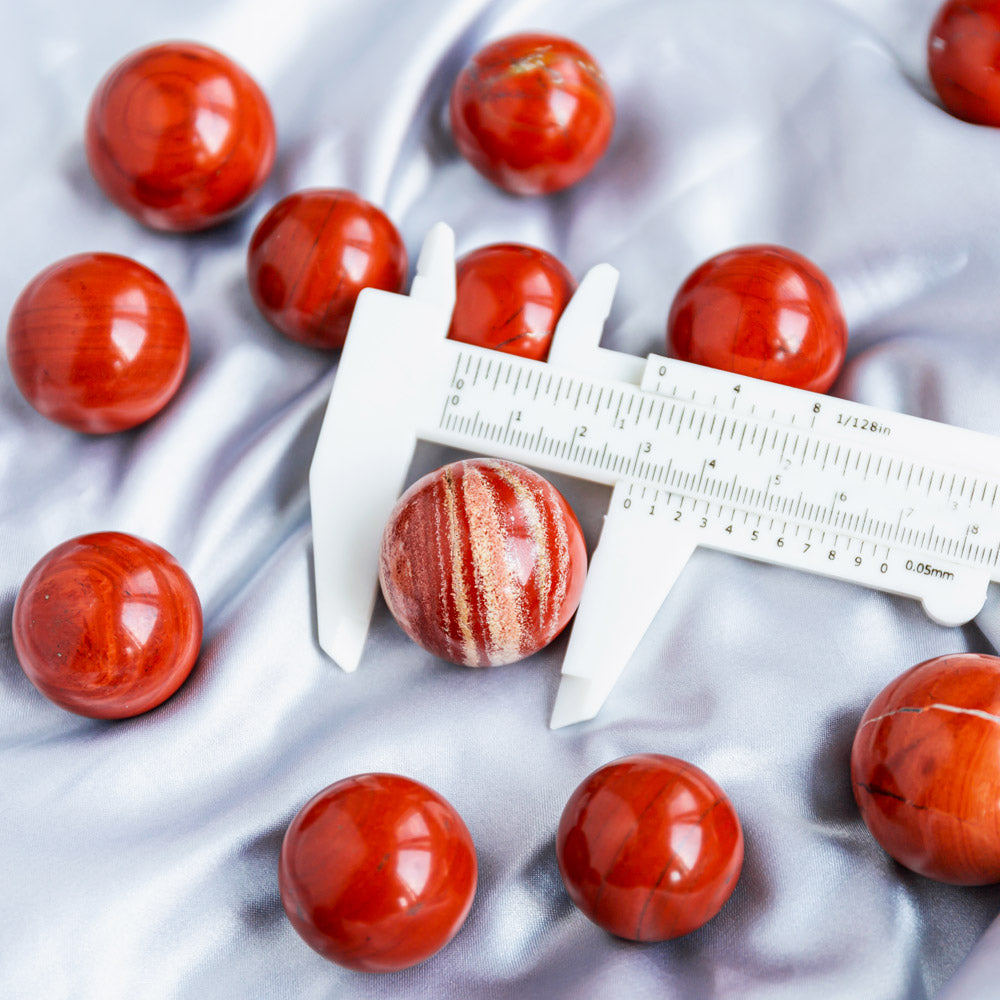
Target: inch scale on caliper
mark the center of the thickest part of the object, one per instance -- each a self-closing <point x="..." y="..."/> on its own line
<point x="695" y="457"/>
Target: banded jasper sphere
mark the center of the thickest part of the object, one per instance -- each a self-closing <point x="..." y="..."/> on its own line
<point x="377" y="872"/>
<point x="649" y="847"/>
<point x="179" y="136"/>
<point x="763" y="311"/>
<point x="509" y="297"/>
<point x="925" y="768"/>
<point x="482" y="562"/>
<point x="107" y="625"/>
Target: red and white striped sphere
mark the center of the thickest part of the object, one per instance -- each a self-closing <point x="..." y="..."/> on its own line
<point x="482" y="562"/>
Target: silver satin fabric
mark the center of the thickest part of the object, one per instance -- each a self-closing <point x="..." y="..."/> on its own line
<point x="139" y="858"/>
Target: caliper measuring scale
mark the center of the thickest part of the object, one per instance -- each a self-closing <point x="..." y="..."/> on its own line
<point x="694" y="456"/>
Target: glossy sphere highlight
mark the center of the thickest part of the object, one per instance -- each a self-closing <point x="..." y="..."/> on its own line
<point x="97" y="342"/>
<point x="649" y="847"/>
<point x="179" y="136"/>
<point x="482" y="562"/>
<point x="532" y="112"/>
<point x="313" y="253"/>
<point x="107" y="625"/>
<point x="377" y="872"/>
<point x="963" y="58"/>
<point x="925" y="768"/>
<point x="763" y="311"/>
<point x="509" y="298"/>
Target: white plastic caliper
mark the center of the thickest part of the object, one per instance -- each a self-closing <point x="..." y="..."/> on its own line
<point x="695" y="457"/>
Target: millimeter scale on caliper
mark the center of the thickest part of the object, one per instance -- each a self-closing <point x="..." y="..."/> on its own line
<point x="695" y="456"/>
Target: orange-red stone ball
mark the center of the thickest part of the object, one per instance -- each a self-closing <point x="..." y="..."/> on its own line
<point x="98" y="343"/>
<point x="963" y="59"/>
<point x="925" y="768"/>
<point x="107" y="625"/>
<point x="482" y="562"/>
<point x="313" y="253"/>
<point x="377" y="872"/>
<point x="509" y="297"/>
<point x="763" y="311"/>
<point x="649" y="847"/>
<point x="532" y="112"/>
<point x="179" y="136"/>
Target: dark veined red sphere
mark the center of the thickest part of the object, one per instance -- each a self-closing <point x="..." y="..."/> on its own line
<point x="179" y="136"/>
<point x="107" y="625"/>
<point x="509" y="298"/>
<point x="763" y="311"/>
<point x="649" y="847"/>
<point x="925" y="768"/>
<point x="311" y="256"/>
<point x="377" y="872"/>
<point x="98" y="343"/>
<point x="532" y="112"/>
<point x="482" y="562"/>
<point x="963" y="59"/>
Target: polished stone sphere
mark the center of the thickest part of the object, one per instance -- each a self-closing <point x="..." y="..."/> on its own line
<point x="107" y="625"/>
<point x="482" y="562"/>
<point x="532" y="112"/>
<point x="179" y="136"/>
<point x="377" y="872"/>
<point x="925" y="768"/>
<point x="97" y="342"/>
<point x="649" y="847"/>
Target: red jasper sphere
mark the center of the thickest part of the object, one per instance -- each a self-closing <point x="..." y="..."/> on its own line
<point x="649" y="847"/>
<point x="510" y="297"/>
<point x="313" y="253"/>
<point x="377" y="872"/>
<point x="763" y="311"/>
<point x="963" y="58"/>
<point x="97" y="342"/>
<point x="532" y="112"/>
<point x="482" y="562"/>
<point x="107" y="625"/>
<point x="925" y="768"/>
<point x="179" y="136"/>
